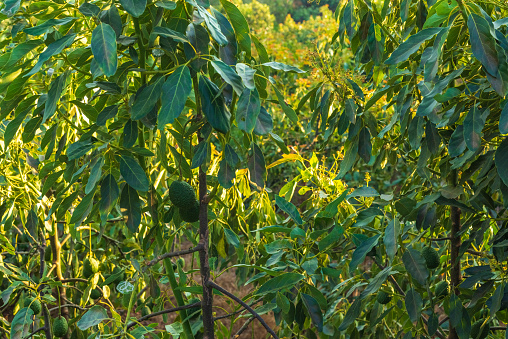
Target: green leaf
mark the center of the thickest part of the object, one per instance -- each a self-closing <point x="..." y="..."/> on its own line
<point x="457" y="143"/>
<point x="411" y="45"/>
<point x="54" y="94"/>
<point x="106" y="114"/>
<point x="226" y="174"/>
<point x="13" y="126"/>
<point x="133" y="174"/>
<point x="364" y="145"/>
<point x="283" y="302"/>
<point x="497" y="298"/>
<point x="31" y="128"/>
<point x="501" y="160"/>
<point x="483" y="44"/>
<point x="376" y="282"/>
<point x="213" y="105"/>
<point x="78" y="149"/>
<point x="248" y="109"/>
<point x="247" y="75"/>
<point x="20" y="51"/>
<point x="46" y="26"/>
<point x="169" y="33"/>
<point x="503" y="119"/>
<point x="232" y="238"/>
<point x="95" y="175"/>
<point x="288" y="110"/>
<point x="414" y="304"/>
<point x="92" y="317"/>
<point x="240" y="26"/>
<point x="352" y="313"/>
<point x="20" y="325"/>
<point x="362" y="250"/>
<point x="279" y="283"/>
<point x="314" y="310"/>
<point x="213" y="26"/>
<point x="84" y="207"/>
<point x="109" y="194"/>
<point x="455" y="311"/>
<point x="231" y="156"/>
<point x="331" y="238"/>
<point x="415" y="265"/>
<point x="391" y="236"/>
<point x="229" y="75"/>
<point x="104" y="48"/>
<point x="200" y="154"/>
<point x="257" y="166"/>
<point x="89" y="9"/>
<point x="54" y="48"/>
<point x="264" y="122"/>
<point x="175" y="91"/>
<point x="11" y="7"/>
<point x="134" y="7"/>
<point x="130" y="206"/>
<point x="112" y="18"/>
<point x="146" y="99"/>
<point x="290" y="209"/>
<point x="473" y="126"/>
<point x="349" y="158"/>
<point x="282" y="67"/>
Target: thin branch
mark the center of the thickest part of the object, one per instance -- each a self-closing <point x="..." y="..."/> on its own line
<point x="175" y="254"/>
<point x="243" y="328"/>
<point x="169" y="310"/>
<point x="498" y="328"/>
<point x="34" y="332"/>
<point x="236" y="312"/>
<point x="247" y="307"/>
<point x="63" y="281"/>
<point x="69" y="305"/>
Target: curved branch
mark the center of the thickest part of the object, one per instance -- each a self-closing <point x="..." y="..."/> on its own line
<point x="169" y="310"/>
<point x="236" y="312"/>
<point x="175" y="254"/>
<point x="243" y="328"/>
<point x="35" y="332"/>
<point x="247" y="307"/>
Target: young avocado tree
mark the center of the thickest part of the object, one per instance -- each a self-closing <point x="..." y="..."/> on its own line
<point x="425" y="114"/>
<point x="112" y="113"/>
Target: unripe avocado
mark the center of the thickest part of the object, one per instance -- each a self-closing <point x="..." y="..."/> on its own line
<point x="60" y="327"/>
<point x="441" y="290"/>
<point x="34" y="304"/>
<point x="479" y="332"/>
<point x="190" y="214"/>
<point x="431" y="257"/>
<point x="95" y="294"/>
<point x="145" y="311"/>
<point x="90" y="267"/>
<point x="181" y="194"/>
<point x="383" y="297"/>
<point x="121" y="277"/>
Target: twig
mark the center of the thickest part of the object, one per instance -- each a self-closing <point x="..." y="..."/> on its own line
<point x="69" y="305"/>
<point x="247" y="307"/>
<point x="34" y="332"/>
<point x="236" y="312"/>
<point x="73" y="280"/>
<point x="243" y="328"/>
<point x="169" y="310"/>
<point x="175" y="254"/>
<point x="498" y="328"/>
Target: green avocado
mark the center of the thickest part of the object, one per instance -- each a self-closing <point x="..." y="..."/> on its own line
<point x="95" y="294"/>
<point x="190" y="214"/>
<point x="479" y="332"/>
<point x="34" y="304"/>
<point x="181" y="194"/>
<point x="431" y="257"/>
<point x="60" y="327"/>
<point x="90" y="267"/>
<point x="441" y="289"/>
<point x="383" y="297"/>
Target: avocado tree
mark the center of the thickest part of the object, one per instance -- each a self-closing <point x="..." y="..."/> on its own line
<point x="423" y="118"/>
<point x="112" y="113"/>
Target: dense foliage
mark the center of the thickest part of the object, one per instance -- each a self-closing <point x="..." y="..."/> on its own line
<point x="383" y="214"/>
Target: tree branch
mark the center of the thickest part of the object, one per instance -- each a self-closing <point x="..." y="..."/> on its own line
<point x="236" y="312"/>
<point x="247" y="307"/>
<point x="197" y="248"/>
<point x="243" y="328"/>
<point x="35" y="332"/>
<point x="169" y="310"/>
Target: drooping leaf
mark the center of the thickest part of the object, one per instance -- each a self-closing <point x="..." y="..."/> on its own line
<point x="13" y="125"/>
<point x="248" y="109"/>
<point x="92" y="317"/>
<point x="264" y="122"/>
<point x="391" y="236"/>
<point x="104" y="48"/>
<point x="349" y="158"/>
<point x="54" y="94"/>
<point x="20" y="325"/>
<point x="289" y="208"/>
<point x="134" y="7"/>
<point x="213" y="26"/>
<point x="213" y="105"/>
<point x="112" y="18"/>
<point x="411" y="45"/>
<point x="200" y="154"/>
<point x="89" y="9"/>
<point x="282" y="67"/>
<point x="483" y="44"/>
<point x="473" y="126"/>
<point x="47" y="25"/>
<point x="83" y="209"/>
<point x="240" y="25"/>
<point x="106" y="114"/>
<point x="365" y="145"/>
<point x="229" y="75"/>
<point x="226" y="174"/>
<point x="457" y="143"/>
<point x="169" y="33"/>
<point x="352" y="313"/>
<point x="247" y="75"/>
<point x="109" y="194"/>
<point x="78" y="149"/>
<point x="501" y="160"/>
<point x="133" y="174"/>
<point x="414" y="304"/>
<point x="146" y="99"/>
<point x="287" y="109"/>
<point x="130" y="207"/>
<point x="503" y="120"/>
<point x="362" y="250"/>
<point x="175" y="91"/>
<point x="376" y="282"/>
<point x="54" y="48"/>
<point x="257" y="166"/>
<point x="314" y="310"/>
<point x="415" y="265"/>
<point x="279" y="283"/>
<point x="95" y="174"/>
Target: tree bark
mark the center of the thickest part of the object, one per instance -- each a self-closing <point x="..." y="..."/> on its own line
<point x="455" y="241"/>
